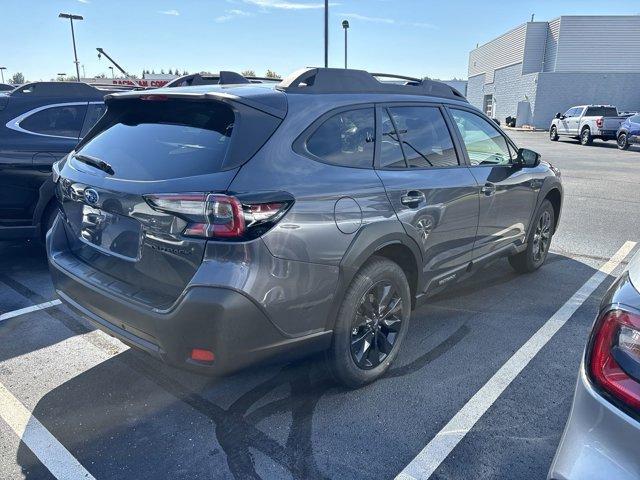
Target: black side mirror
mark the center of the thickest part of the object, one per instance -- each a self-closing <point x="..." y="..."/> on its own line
<point x="528" y="158"/>
<point x="558" y="115"/>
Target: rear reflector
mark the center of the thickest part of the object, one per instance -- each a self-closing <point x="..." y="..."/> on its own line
<point x="201" y="355"/>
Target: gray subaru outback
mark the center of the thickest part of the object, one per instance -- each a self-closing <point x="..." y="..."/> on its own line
<point x="219" y="225"/>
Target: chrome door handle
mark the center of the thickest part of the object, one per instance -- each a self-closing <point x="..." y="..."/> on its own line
<point x="413" y="198"/>
<point x="488" y="189"/>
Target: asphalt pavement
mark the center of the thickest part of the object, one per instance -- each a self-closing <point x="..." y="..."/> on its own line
<point x="84" y="404"/>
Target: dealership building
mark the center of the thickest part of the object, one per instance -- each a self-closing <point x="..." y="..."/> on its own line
<point x="541" y="68"/>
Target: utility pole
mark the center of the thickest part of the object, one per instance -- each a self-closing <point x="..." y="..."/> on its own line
<point x="345" y="25"/>
<point x="71" y="18"/>
<point x="2" y="69"/>
<point x="326" y="33"/>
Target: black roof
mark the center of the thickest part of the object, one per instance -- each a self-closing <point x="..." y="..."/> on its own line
<point x="340" y="80"/>
<point x="64" y="89"/>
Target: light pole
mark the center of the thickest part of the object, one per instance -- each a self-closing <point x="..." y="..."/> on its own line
<point x="71" y="18"/>
<point x="345" y="25"/>
<point x="111" y="68"/>
<point x="326" y="33"/>
<point x="2" y="69"/>
<point x="84" y="73"/>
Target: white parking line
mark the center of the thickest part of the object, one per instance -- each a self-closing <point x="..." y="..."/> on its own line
<point x="53" y="455"/>
<point x="431" y="456"/>
<point x="32" y="308"/>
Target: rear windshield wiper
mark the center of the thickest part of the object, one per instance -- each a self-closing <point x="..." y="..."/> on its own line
<point x="94" y="162"/>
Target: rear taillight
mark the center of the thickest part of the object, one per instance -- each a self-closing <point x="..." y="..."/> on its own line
<point x="215" y="215"/>
<point x="599" y="122"/>
<point x="614" y="356"/>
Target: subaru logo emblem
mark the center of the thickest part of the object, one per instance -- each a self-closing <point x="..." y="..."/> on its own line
<point x="91" y="196"/>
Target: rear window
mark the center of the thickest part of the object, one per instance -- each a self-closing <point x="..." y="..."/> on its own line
<point x="602" y="112"/>
<point x="158" y="140"/>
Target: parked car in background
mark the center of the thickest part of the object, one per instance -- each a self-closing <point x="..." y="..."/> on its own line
<point x="5" y="87"/>
<point x="217" y="225"/>
<point x="586" y="123"/>
<point x="602" y="436"/>
<point x="629" y="132"/>
<point x="39" y="124"/>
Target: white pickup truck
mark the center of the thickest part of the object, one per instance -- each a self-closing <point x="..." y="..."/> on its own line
<point x="586" y="122"/>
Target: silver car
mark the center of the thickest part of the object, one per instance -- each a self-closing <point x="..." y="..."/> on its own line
<point x="602" y="437"/>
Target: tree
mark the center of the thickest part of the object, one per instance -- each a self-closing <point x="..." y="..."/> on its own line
<point x="162" y="71"/>
<point x="184" y="72"/>
<point x="272" y="74"/>
<point x="170" y="72"/>
<point x="18" y="78"/>
<point x="248" y="73"/>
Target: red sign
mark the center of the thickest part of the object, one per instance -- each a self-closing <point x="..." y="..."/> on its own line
<point x="142" y="83"/>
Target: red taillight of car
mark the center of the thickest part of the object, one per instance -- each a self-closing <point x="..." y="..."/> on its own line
<point x="202" y="355"/>
<point x="215" y="215"/>
<point x="599" y="122"/>
<point x="614" y="356"/>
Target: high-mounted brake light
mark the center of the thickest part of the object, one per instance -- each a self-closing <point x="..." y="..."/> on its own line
<point x="614" y="356"/>
<point x="214" y="215"/>
<point x="154" y="98"/>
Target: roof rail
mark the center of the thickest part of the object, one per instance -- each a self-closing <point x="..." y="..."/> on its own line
<point x="339" y="80"/>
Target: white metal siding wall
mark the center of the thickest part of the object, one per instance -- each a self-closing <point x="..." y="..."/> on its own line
<point x="558" y="92"/>
<point x="505" y="50"/>
<point x="551" y="49"/>
<point x="599" y="44"/>
<point x="534" y="47"/>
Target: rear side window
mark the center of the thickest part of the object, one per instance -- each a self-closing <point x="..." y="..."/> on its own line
<point x="601" y="112"/>
<point x="59" y="121"/>
<point x="158" y="140"/>
<point x="345" y="139"/>
<point x="424" y="136"/>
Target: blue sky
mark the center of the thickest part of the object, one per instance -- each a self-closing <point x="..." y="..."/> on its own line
<point x="413" y="37"/>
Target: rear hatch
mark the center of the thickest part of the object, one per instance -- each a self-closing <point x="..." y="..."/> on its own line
<point x="145" y="153"/>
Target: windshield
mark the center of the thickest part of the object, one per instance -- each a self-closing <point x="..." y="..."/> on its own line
<point x="158" y="140"/>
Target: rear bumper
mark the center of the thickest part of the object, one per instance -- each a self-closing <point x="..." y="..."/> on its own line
<point x="223" y="320"/>
<point x="599" y="441"/>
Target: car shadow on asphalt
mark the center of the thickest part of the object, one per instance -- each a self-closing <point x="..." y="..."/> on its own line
<point x="134" y="417"/>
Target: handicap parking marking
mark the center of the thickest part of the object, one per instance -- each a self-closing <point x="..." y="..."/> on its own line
<point x="32" y="308"/>
<point x="437" y="450"/>
<point x="53" y="455"/>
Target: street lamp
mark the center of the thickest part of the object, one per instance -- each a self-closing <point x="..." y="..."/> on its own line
<point x="71" y="18"/>
<point x="2" y="69"/>
<point x="345" y="25"/>
<point x="326" y="33"/>
<point x="111" y="68"/>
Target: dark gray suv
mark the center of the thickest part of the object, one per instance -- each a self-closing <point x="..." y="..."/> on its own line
<point x="218" y="225"/>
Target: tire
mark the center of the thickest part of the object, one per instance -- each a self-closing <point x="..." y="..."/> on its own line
<point x="623" y="141"/>
<point x="585" y="137"/>
<point x="553" y="134"/>
<point x="538" y="241"/>
<point x="375" y="312"/>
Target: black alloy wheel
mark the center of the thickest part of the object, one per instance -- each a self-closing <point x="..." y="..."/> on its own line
<point x="376" y="325"/>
